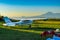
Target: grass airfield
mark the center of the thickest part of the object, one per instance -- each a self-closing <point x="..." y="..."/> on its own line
<point x="25" y="33"/>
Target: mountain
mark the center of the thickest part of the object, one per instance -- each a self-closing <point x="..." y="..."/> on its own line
<point x="49" y="15"/>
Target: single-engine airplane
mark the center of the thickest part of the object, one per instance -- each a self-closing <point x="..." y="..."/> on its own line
<point x="8" y="22"/>
<point x="22" y="21"/>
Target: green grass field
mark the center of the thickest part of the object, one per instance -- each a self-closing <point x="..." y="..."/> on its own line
<point x="26" y="33"/>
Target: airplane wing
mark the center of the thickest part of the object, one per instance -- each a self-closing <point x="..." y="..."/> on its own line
<point x="21" y="22"/>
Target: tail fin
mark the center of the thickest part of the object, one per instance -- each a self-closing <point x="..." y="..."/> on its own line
<point x="7" y="20"/>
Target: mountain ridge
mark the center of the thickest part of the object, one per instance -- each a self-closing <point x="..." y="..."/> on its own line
<point x="49" y="15"/>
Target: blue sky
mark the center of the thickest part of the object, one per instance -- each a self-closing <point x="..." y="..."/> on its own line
<point x="26" y="7"/>
<point x="32" y="2"/>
